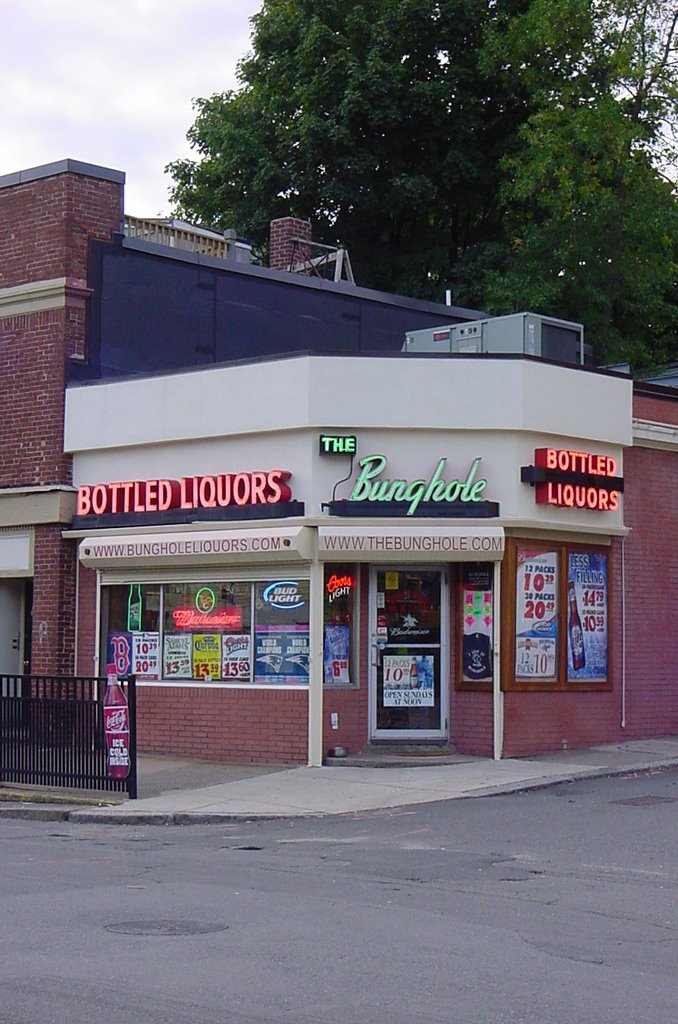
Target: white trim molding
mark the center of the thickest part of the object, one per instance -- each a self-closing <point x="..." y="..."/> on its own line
<point x="41" y="296"/>
<point x="651" y="434"/>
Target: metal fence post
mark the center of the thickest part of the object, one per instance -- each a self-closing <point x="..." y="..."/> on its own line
<point x="132" y="778"/>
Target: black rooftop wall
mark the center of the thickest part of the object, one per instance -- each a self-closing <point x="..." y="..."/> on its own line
<point x="154" y="310"/>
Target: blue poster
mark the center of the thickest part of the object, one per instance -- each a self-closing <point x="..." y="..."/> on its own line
<point x="281" y="655"/>
<point x="120" y="652"/>
<point x="335" y="655"/>
<point x="587" y="617"/>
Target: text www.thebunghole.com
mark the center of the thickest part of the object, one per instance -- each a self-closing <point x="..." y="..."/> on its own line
<point x="370" y="542"/>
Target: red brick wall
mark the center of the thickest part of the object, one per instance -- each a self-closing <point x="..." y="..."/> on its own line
<point x="651" y="564"/>
<point x="86" y="611"/>
<point x="536" y="722"/>
<point x="32" y="379"/>
<point x="257" y="726"/>
<point x="473" y="723"/>
<point x="53" y="617"/>
<point x="47" y="224"/>
<point x="45" y="228"/>
<point x="658" y="409"/>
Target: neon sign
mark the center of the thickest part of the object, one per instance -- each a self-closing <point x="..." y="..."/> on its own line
<point x="283" y="594"/>
<point x="219" y="618"/>
<point x="573" y="479"/>
<point x="369" y="488"/>
<point x="191" y="492"/>
<point x="338" y="444"/>
<point x="338" y="586"/>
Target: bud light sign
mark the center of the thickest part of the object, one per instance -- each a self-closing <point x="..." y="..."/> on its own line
<point x="283" y="594"/>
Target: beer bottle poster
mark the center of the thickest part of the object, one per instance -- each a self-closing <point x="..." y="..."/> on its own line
<point x="536" y="614"/>
<point x="477" y="622"/>
<point x="587" y="611"/>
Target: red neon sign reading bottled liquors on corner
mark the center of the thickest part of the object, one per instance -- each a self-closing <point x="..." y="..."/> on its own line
<point x="575" y="479"/>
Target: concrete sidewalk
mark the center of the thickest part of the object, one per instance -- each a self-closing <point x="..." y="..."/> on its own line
<point x="181" y="792"/>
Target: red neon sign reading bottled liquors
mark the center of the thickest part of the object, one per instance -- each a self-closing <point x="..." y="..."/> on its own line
<point x="574" y="479"/>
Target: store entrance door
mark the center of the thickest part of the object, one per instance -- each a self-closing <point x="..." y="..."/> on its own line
<point x="408" y="681"/>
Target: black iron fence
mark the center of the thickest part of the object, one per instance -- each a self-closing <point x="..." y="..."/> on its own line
<point x="52" y="733"/>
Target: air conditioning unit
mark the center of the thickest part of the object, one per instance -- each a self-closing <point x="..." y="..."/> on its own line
<point x="520" y="333"/>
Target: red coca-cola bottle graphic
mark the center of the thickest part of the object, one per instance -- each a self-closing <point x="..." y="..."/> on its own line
<point x="116" y="727"/>
<point x="577" y="651"/>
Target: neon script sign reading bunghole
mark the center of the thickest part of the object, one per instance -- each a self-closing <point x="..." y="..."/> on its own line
<point x="188" y="493"/>
<point x="369" y="487"/>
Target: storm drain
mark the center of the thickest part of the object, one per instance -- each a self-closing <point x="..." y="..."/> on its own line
<point x="164" y="928"/>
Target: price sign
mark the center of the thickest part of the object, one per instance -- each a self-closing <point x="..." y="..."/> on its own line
<point x="536" y="614"/>
<point x="146" y="655"/>
<point x="236" y="657"/>
<point x="178" y="656"/>
<point x="207" y="656"/>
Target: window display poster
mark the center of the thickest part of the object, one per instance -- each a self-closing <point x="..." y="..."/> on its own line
<point x="207" y="656"/>
<point x="536" y="614"/>
<point x="587" y="616"/>
<point x="408" y="681"/>
<point x="335" y="655"/>
<point x="120" y="652"/>
<point x="236" y="657"/>
<point x="477" y="623"/>
<point x="146" y="655"/>
<point x="178" y="656"/>
<point x="281" y="655"/>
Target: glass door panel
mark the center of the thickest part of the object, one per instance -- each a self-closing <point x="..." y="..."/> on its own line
<point x="407" y="652"/>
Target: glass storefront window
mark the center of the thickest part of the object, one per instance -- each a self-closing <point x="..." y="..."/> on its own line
<point x="233" y="631"/>
<point x="338" y="603"/>
<point x="281" y="652"/>
<point x="133" y="614"/>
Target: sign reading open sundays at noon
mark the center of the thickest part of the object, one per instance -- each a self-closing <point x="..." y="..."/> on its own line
<point x="408" y="681"/>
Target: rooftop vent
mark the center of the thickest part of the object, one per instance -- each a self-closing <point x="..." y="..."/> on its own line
<point x="522" y="333"/>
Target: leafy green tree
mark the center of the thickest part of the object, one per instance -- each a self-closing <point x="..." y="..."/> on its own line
<point x="590" y="216"/>
<point x="370" y="119"/>
<point x="516" y="151"/>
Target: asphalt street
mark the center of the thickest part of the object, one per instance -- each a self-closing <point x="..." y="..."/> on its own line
<point x="541" y="907"/>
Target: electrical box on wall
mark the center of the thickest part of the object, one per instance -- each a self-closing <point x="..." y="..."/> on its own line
<point x="528" y="334"/>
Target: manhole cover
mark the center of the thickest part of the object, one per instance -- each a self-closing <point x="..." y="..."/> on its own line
<point x="164" y="928"/>
<point x="646" y="801"/>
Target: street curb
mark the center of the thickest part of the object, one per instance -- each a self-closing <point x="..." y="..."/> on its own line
<point x="128" y="817"/>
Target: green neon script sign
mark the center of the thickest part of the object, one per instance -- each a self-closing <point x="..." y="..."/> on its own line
<point x="370" y="486"/>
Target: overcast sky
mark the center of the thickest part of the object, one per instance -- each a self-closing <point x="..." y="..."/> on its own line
<point x="110" y="82"/>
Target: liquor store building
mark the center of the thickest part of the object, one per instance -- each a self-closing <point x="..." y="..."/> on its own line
<point x="322" y="552"/>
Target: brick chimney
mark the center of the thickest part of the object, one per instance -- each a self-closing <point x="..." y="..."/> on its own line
<point x="283" y="251"/>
